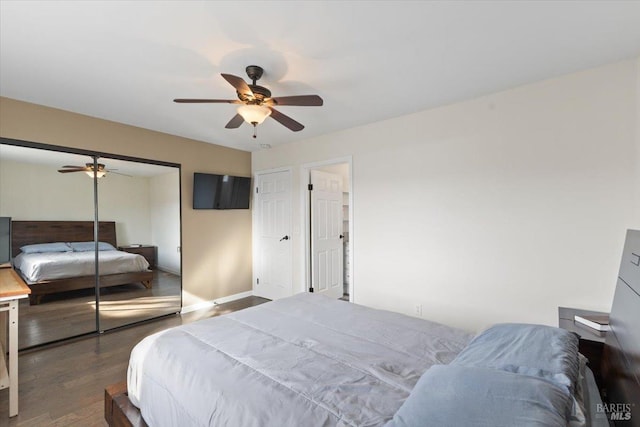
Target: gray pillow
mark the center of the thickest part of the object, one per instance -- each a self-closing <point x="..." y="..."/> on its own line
<point x="536" y="350"/>
<point x="45" y="247"/>
<point x="91" y="246"/>
<point x="455" y="396"/>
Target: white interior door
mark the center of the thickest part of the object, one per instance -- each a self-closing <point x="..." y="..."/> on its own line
<point x="273" y="223"/>
<point x="326" y="234"/>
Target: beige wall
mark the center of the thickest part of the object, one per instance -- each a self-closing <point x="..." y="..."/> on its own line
<point x="216" y="245"/>
<point x="500" y="208"/>
<point x="31" y="192"/>
<point x="165" y="220"/>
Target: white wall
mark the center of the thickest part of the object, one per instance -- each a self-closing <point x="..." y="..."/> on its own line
<point x="500" y="208"/>
<point x="31" y="192"/>
<point x="165" y="220"/>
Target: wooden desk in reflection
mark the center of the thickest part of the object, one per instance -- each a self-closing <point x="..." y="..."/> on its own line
<point x="12" y="289"/>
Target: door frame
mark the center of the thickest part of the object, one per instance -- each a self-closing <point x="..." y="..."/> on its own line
<point x="255" y="225"/>
<point x="305" y="219"/>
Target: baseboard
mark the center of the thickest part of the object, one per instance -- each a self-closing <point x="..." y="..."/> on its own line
<point x="168" y="270"/>
<point x="208" y="304"/>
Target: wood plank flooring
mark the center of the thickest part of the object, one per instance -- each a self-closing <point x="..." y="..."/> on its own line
<point x="63" y="385"/>
<point x="73" y="313"/>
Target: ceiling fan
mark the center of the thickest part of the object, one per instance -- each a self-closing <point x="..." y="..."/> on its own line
<point x="256" y="102"/>
<point x="88" y="169"/>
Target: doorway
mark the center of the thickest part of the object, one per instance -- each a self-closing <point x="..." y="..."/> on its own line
<point x="328" y="221"/>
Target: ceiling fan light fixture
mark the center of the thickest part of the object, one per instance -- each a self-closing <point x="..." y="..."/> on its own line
<point x="99" y="174"/>
<point x="254" y="114"/>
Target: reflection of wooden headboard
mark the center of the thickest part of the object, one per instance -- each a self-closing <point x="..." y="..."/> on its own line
<point x="621" y="365"/>
<point x="30" y="232"/>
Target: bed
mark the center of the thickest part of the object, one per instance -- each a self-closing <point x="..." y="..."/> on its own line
<point x="309" y="360"/>
<point x="49" y="277"/>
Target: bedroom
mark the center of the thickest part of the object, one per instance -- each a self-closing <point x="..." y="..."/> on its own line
<point x="526" y="205"/>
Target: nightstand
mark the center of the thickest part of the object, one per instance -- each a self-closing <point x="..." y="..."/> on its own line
<point x="147" y="251"/>
<point x="591" y="342"/>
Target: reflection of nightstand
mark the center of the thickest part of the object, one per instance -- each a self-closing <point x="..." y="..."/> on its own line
<point x="148" y="252"/>
<point x="591" y="341"/>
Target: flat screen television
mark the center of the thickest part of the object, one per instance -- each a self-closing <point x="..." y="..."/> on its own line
<point x="212" y="191"/>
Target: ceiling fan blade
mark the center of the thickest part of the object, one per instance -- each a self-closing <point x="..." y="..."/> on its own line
<point x="207" y="101"/>
<point x="111" y="171"/>
<point x="235" y="122"/>
<point x="71" y="170"/>
<point x="74" y="167"/>
<point x="301" y="100"/>
<point x="286" y="120"/>
<point x="237" y="82"/>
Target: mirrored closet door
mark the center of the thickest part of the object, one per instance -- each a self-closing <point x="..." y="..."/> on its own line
<point x="143" y="201"/>
<point x="55" y="199"/>
<point x="41" y="203"/>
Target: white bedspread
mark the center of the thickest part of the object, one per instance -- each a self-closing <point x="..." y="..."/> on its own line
<point x="305" y="360"/>
<point x="61" y="265"/>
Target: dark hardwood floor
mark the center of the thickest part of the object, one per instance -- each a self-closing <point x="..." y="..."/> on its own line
<point x="63" y="385"/>
<point x="73" y="313"/>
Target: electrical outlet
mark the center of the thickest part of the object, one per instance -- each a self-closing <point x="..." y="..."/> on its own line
<point x="419" y="310"/>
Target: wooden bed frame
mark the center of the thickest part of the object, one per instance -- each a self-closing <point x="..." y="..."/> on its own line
<point x="621" y="359"/>
<point x="620" y="365"/>
<point x="32" y="232"/>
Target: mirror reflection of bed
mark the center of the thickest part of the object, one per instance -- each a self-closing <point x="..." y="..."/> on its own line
<point x="59" y="256"/>
<point x="63" y="307"/>
<point x="142" y="199"/>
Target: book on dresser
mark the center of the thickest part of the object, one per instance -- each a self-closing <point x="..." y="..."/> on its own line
<point x="597" y="322"/>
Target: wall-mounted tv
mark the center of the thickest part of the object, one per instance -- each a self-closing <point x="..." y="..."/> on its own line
<point x="212" y="191"/>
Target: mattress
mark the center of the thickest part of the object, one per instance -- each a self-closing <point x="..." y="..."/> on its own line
<point x="305" y="357"/>
<point x="37" y="267"/>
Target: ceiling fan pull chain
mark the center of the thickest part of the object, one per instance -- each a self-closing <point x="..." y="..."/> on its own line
<point x="255" y="129"/>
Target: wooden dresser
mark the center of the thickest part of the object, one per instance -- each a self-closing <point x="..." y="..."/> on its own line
<point x="150" y="253"/>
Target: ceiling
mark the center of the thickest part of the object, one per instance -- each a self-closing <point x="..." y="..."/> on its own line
<point x="369" y="61"/>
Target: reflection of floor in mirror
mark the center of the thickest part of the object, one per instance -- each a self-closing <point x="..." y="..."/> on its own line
<point x="73" y="313"/>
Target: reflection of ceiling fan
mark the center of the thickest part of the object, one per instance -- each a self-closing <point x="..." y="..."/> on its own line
<point x="88" y="169"/>
<point x="257" y="103"/>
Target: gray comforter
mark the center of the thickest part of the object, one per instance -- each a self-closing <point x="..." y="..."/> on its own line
<point x="306" y="360"/>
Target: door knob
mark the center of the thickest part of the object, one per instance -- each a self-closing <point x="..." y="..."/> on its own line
<point x="342" y="236"/>
<point x="284" y="238"/>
